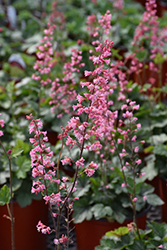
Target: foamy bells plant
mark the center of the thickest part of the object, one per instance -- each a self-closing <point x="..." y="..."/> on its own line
<point x="154" y="237"/>
<point x="117" y="190"/>
<point x="47" y="181"/>
<point x="148" y="53"/>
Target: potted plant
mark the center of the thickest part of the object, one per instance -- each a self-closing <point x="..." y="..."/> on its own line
<point x="115" y="193"/>
<point x="148" y="60"/>
<point x="154" y="237"/>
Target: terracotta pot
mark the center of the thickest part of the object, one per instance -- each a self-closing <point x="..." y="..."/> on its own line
<point x="163" y="196"/>
<point x="89" y="233"/>
<point x="155" y="183"/>
<point x="142" y="77"/>
<point x="26" y="235"/>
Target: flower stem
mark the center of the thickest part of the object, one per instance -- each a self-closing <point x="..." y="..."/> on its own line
<point x="10" y="210"/>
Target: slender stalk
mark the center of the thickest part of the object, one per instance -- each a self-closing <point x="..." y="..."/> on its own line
<point x="73" y="185"/>
<point x="10" y="210"/>
<point x="58" y="163"/>
<point x="39" y="101"/>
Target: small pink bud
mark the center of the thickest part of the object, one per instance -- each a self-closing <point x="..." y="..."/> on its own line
<point x="134" y="199"/>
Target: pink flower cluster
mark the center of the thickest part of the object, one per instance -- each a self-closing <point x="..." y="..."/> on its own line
<point x="1" y="125"/>
<point x="149" y="29"/>
<point x="149" y="40"/>
<point x="45" y="57"/>
<point x="44" y="229"/>
<point x="41" y="162"/>
<point x="63" y="94"/>
<point x="93" y="24"/>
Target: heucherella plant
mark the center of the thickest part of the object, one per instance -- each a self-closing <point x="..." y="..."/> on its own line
<point x="47" y="179"/>
<point x="113" y="125"/>
<point x="149" y="53"/>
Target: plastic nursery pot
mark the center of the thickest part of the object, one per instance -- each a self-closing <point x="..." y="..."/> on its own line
<point x="26" y="235"/>
<point x="89" y="233"/>
<point x="163" y="196"/>
<point x="144" y="74"/>
<point x="155" y="182"/>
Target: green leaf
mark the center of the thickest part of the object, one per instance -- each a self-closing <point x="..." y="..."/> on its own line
<point x="108" y="211"/>
<point x="106" y="244"/>
<point x="160" y="230"/>
<point x="142" y="54"/>
<point x="160" y="150"/>
<point x="118" y="216"/>
<point x="158" y="139"/>
<point x="23" y="145"/>
<point x="158" y="124"/>
<point x="83" y="186"/>
<point x="150" y="170"/>
<point x="4" y="195"/>
<point x="146" y="86"/>
<point x="158" y="59"/>
<point x="16" y="183"/>
<point x="24" y="199"/>
<point x="154" y="200"/>
<point x="130" y="182"/>
<point x="16" y="152"/>
<point x="82" y="210"/>
<point x="118" y="232"/>
<point x="138" y="245"/>
<point x="98" y="211"/>
<point x="24" y="166"/>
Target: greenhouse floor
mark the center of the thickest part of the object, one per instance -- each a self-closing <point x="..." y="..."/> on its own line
<point x="153" y="215"/>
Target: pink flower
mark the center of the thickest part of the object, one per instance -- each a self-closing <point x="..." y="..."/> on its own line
<point x="53" y="198"/>
<point x="144" y="198"/>
<point x="136" y="149"/>
<point x="2" y="123"/>
<point x="44" y="229"/>
<point x="80" y="162"/>
<point x="134" y="199"/>
<point x="138" y="125"/>
<point x="138" y="162"/>
<point x="80" y="98"/>
<point x="87" y="73"/>
<point x="89" y="172"/>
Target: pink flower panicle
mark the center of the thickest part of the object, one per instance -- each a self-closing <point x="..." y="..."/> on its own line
<point x="45" y="61"/>
<point x="63" y="95"/>
<point x="42" y="228"/>
<point x="41" y="155"/>
<point x="148" y="38"/>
